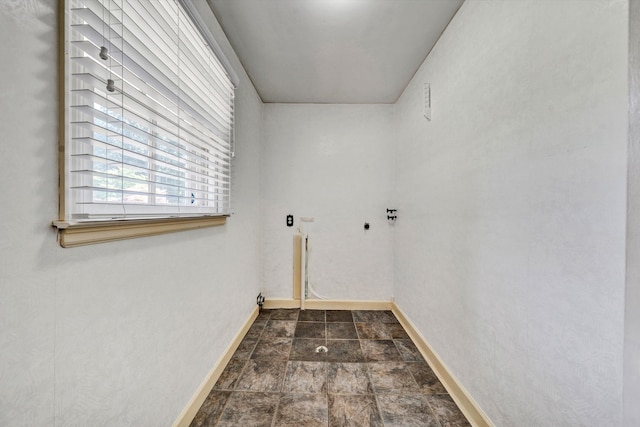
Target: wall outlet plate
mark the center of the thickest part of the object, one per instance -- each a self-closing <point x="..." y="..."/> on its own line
<point x="427" y="101"/>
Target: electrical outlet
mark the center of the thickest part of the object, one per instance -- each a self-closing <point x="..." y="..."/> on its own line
<point x="260" y="300"/>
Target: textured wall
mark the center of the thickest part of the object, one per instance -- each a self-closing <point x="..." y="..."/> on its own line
<point x="509" y="243"/>
<point x="632" y="296"/>
<point x="118" y="334"/>
<point x="333" y="163"/>
<point x="510" y="254"/>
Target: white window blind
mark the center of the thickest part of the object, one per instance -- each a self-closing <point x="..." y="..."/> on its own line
<point x="149" y="114"/>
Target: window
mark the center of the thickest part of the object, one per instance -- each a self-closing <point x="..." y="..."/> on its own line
<point x="148" y="120"/>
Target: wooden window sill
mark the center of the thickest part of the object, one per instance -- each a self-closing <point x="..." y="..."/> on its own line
<point x="88" y="233"/>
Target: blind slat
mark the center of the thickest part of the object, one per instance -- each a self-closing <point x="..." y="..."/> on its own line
<point x="150" y="112"/>
<point x="159" y="144"/>
<point x="160" y="155"/>
<point x="218" y="175"/>
<point x="160" y="77"/>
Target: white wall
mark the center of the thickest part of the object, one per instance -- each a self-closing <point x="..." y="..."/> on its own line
<point x="509" y="243"/>
<point x="510" y="254"/>
<point x="122" y="333"/>
<point x="333" y="163"/>
<point x="632" y="295"/>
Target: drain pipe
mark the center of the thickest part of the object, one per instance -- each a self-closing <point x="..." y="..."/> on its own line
<point x="303" y="260"/>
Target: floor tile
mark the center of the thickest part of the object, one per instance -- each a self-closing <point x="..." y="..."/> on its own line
<point x="272" y="348"/>
<point x="353" y="411"/>
<point x="311" y="316"/>
<point x="372" y="375"/>
<point x="305" y="377"/>
<point x="295" y="410"/>
<point x="348" y="378"/>
<point x="262" y="375"/>
<point x="279" y="329"/>
<point x="339" y="316"/>
<point x="263" y="315"/>
<point x="341" y="330"/>
<point x="305" y="350"/>
<point x="404" y="410"/>
<point x="256" y="329"/>
<point x="391" y="377"/>
<point x="284" y="314"/>
<point x="373" y="331"/>
<point x="387" y="316"/>
<point x="397" y="331"/>
<point x="426" y="378"/>
<point x="230" y="375"/>
<point x="310" y="330"/>
<point x="446" y="411"/>
<point x="344" y="351"/>
<point x="379" y="350"/>
<point x="409" y="351"/>
<point x="211" y="409"/>
<point x="245" y="348"/>
<point x="374" y="316"/>
<point x="249" y="409"/>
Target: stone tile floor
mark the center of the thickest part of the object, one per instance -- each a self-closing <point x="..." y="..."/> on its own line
<point x="372" y="375"/>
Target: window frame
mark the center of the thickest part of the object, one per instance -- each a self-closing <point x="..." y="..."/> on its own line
<point x="72" y="234"/>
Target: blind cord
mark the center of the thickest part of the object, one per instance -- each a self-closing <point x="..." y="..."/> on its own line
<point x="110" y="84"/>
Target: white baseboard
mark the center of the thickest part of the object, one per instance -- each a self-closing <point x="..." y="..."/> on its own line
<point x="323" y="304"/>
<point x="469" y="407"/>
<point x="281" y="303"/>
<point x="189" y="412"/>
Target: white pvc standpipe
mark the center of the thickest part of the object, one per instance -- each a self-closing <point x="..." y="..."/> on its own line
<point x="303" y="270"/>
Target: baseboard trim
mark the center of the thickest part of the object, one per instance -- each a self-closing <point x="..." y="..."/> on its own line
<point x="189" y="412"/>
<point x="281" y="303"/>
<point x="469" y="407"/>
<point x="323" y="304"/>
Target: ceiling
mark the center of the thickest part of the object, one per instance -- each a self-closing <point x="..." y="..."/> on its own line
<point x="332" y="51"/>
